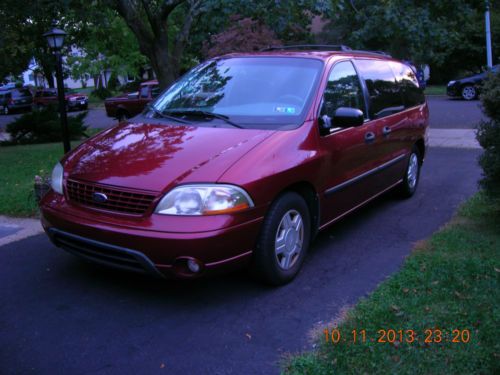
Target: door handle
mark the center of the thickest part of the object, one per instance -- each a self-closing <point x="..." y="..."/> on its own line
<point x="386" y="130"/>
<point x="369" y="137"/>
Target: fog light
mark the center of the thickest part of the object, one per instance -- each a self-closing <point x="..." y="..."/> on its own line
<point x="193" y="266"/>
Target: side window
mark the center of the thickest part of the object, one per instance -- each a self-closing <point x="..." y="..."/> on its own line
<point x="144" y="92"/>
<point x="408" y="83"/>
<point x="343" y="89"/>
<point x="385" y="96"/>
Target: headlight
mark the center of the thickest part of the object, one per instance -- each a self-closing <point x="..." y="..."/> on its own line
<point x="203" y="199"/>
<point x="451" y="83"/>
<point x="56" y="182"/>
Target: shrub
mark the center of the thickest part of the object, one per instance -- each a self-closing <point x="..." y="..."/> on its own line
<point x="130" y="86"/>
<point x="488" y="135"/>
<point x="44" y="126"/>
<point x="102" y="93"/>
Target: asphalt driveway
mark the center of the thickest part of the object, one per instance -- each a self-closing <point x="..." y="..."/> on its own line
<point x="61" y="316"/>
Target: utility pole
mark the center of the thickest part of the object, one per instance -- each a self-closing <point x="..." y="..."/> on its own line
<point x="489" y="57"/>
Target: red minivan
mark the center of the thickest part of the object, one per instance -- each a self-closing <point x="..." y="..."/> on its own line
<point x="241" y="162"/>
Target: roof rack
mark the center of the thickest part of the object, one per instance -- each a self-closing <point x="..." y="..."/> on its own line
<point x="375" y="53"/>
<point x="319" y="47"/>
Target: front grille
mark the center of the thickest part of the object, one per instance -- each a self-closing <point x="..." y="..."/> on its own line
<point x="118" y="200"/>
<point x="80" y="98"/>
<point x="102" y="253"/>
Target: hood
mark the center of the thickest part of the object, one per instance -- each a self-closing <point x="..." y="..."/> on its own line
<point x="157" y="157"/>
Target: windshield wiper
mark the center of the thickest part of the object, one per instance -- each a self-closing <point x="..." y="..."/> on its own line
<point x="198" y="112"/>
<point x="166" y="116"/>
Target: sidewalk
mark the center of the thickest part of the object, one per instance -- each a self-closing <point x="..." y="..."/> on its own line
<point x="457" y="138"/>
<point x="14" y="229"/>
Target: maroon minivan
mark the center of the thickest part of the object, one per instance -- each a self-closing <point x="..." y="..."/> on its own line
<point x="241" y="162"/>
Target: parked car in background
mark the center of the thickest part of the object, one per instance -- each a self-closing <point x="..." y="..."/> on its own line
<point x="15" y="99"/>
<point x="46" y="97"/>
<point x="130" y="104"/>
<point x="241" y="163"/>
<point x="469" y="88"/>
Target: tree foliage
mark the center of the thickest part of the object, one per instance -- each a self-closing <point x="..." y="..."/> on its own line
<point x="245" y="35"/>
<point x="448" y="35"/>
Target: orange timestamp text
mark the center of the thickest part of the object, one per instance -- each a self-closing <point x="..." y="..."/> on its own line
<point x="391" y="336"/>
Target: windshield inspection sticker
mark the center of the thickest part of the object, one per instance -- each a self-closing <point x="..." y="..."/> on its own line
<point x="286" y="110"/>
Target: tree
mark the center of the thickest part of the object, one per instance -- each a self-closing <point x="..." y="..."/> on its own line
<point x="166" y="30"/>
<point x="108" y="44"/>
<point x="150" y="23"/>
<point x="245" y="35"/>
<point x="449" y="35"/>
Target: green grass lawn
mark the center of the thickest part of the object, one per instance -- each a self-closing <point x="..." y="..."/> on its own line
<point x="19" y="165"/>
<point x="435" y="90"/>
<point x="450" y="282"/>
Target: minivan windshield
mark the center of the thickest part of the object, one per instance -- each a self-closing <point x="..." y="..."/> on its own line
<point x="267" y="92"/>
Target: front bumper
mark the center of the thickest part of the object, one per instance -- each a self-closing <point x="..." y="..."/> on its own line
<point x="453" y="90"/>
<point x="152" y="250"/>
<point x="77" y="104"/>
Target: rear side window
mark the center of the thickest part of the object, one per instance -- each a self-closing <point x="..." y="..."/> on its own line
<point x="408" y="83"/>
<point x="385" y="96"/>
<point x="343" y="89"/>
<point x="144" y="92"/>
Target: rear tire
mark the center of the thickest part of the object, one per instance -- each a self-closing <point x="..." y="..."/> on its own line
<point x="412" y="174"/>
<point x="469" y="92"/>
<point x="283" y="241"/>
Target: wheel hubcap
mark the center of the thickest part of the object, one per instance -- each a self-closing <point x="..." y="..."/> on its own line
<point x="412" y="173"/>
<point x="289" y="239"/>
<point x="469" y="92"/>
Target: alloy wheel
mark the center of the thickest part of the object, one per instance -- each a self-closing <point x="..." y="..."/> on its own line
<point x="289" y="239"/>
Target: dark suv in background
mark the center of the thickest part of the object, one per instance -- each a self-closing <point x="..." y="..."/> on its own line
<point x="15" y="100"/>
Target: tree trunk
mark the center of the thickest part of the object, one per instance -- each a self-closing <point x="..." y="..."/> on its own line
<point x="49" y="76"/>
<point x="164" y="66"/>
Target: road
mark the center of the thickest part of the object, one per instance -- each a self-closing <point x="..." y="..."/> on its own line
<point x="445" y="114"/>
<point x="61" y="316"/>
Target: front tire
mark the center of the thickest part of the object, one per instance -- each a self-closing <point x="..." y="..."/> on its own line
<point x="412" y="174"/>
<point x="469" y="92"/>
<point x="122" y="116"/>
<point x="283" y="241"/>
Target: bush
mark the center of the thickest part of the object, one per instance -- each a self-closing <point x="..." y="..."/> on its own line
<point x="488" y="135"/>
<point x="43" y="126"/>
<point x="102" y="93"/>
<point x="130" y="86"/>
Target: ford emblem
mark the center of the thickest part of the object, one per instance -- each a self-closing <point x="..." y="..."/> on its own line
<point x="99" y="197"/>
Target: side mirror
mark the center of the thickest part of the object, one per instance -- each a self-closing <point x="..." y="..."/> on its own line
<point x="345" y="117"/>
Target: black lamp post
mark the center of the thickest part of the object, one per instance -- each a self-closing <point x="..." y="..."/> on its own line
<point x="55" y="39"/>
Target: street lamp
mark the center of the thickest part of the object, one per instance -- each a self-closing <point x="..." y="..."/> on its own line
<point x="55" y="39"/>
<point x="489" y="57"/>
